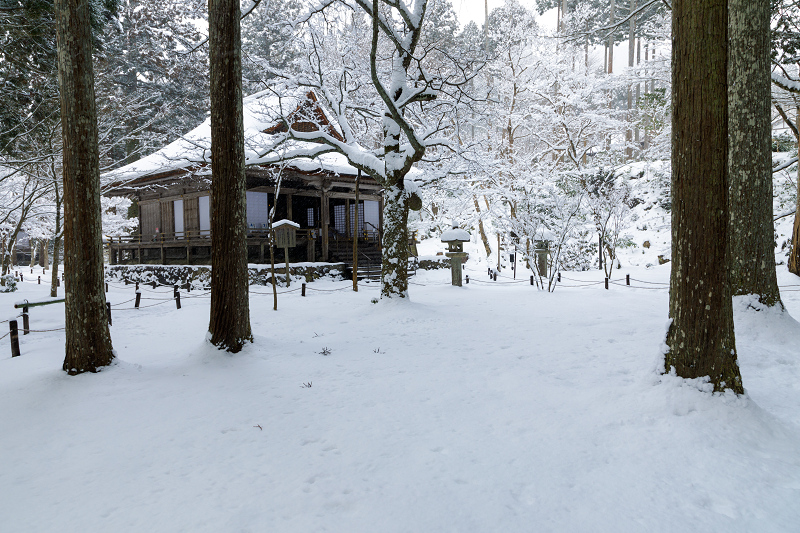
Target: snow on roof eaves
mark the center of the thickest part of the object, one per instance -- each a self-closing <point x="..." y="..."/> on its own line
<point x="260" y="112"/>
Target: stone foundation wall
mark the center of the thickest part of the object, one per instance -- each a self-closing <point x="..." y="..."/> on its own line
<point x="200" y="276"/>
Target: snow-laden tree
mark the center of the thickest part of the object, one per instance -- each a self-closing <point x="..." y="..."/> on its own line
<point x="268" y="42"/>
<point x="152" y="78"/>
<point x="392" y="96"/>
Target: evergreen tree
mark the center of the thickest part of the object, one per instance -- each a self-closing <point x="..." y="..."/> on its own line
<point x="229" y="324"/>
<point x="700" y="338"/>
<point x="751" y="229"/>
<point x="88" y="345"/>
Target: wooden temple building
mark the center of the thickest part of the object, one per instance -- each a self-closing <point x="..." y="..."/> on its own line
<point x="172" y="188"/>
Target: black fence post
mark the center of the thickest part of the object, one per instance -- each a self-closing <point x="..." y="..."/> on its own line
<point x="177" y="300"/>
<point x="174" y="291"/>
<point x="40" y="280"/>
<point x="558" y="278"/>
<point x="108" y="313"/>
<point x="303" y="290"/>
<point x="531" y="280"/>
<point x="26" y="325"/>
<point x="467" y="279"/>
<point x="495" y="276"/>
<point x="138" y="299"/>
<point x="627" y="279"/>
<point x="12" y="326"/>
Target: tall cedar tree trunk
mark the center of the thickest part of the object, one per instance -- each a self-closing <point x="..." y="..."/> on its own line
<point x="88" y="344"/>
<point x="794" y="251"/>
<point x="751" y="227"/>
<point x="229" y="324"/>
<point x="700" y="338"/>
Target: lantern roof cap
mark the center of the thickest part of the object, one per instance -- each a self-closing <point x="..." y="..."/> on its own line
<point x="455" y="235"/>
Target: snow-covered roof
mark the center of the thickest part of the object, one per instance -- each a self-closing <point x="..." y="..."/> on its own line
<point x="262" y="112"/>
<point x="455" y="234"/>
<point x="285" y="222"/>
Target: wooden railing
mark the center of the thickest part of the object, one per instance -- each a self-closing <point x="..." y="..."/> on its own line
<point x="182" y="237"/>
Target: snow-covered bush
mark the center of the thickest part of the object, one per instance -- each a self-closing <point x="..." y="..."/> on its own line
<point x="8" y="283"/>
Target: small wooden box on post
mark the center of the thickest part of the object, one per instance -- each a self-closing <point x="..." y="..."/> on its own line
<point x="285" y="232"/>
<point x="455" y="239"/>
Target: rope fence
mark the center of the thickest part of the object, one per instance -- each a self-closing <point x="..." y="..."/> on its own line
<point x="176" y="296"/>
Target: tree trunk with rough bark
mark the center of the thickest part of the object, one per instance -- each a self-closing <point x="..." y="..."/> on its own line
<point x="88" y="346"/>
<point x="394" y="266"/>
<point x="229" y="324"/>
<point x="751" y="230"/>
<point x="700" y="338"/>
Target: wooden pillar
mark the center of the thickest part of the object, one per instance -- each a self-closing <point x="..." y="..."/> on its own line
<point x="380" y="224"/>
<point x="347" y="218"/>
<point x="188" y="254"/>
<point x="310" y="246"/>
<point x="261" y="252"/>
<point x="325" y="216"/>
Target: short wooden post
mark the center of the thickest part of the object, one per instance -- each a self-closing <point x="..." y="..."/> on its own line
<point x="40" y="280"/>
<point x="26" y="324"/>
<point x="20" y="277"/>
<point x="627" y="279"/>
<point x="174" y="291"/>
<point x="12" y="326"/>
<point x="531" y="279"/>
<point x="495" y="276"/>
<point x="467" y="279"/>
<point x="177" y="300"/>
<point x="138" y="299"/>
<point x="303" y="291"/>
<point x="106" y="286"/>
<point x="154" y="285"/>
<point x="606" y="283"/>
<point x="558" y="279"/>
<point x="286" y="256"/>
<point x="108" y="312"/>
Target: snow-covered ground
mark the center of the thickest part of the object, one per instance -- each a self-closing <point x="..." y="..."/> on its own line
<point x="493" y="407"/>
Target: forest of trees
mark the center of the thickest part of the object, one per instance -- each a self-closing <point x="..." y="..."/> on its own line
<point x="520" y="133"/>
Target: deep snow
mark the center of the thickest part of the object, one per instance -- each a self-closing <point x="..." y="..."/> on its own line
<point x="491" y="407"/>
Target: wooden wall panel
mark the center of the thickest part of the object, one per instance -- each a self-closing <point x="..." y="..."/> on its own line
<point x="150" y="214"/>
<point x="167" y="217"/>
<point x="191" y="215"/>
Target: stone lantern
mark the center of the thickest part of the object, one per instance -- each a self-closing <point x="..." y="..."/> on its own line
<point x="455" y="239"/>
<point x="542" y="250"/>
